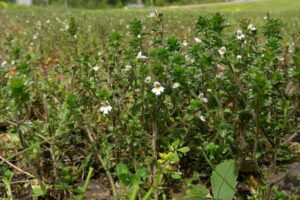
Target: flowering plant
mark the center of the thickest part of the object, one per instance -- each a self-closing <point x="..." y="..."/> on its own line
<point x="218" y="95"/>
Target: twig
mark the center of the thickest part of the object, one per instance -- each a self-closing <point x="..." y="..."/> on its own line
<point x="291" y="137"/>
<point x="15" y="167"/>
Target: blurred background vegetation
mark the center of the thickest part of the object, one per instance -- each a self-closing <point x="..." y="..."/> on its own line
<point x="96" y="4"/>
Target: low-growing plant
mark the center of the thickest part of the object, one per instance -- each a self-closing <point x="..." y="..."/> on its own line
<point x="148" y="110"/>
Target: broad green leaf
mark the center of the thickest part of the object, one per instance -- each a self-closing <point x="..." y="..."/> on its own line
<point x="224" y="180"/>
<point x="184" y="149"/>
<point x="175" y="143"/>
<point x="122" y="169"/>
<point x="198" y="192"/>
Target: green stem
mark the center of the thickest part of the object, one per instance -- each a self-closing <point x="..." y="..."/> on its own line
<point x="86" y="183"/>
<point x="107" y="172"/>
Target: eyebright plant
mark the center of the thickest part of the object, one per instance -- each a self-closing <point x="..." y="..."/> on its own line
<point x="147" y="110"/>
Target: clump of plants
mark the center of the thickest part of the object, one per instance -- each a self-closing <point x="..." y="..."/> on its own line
<point x="153" y="115"/>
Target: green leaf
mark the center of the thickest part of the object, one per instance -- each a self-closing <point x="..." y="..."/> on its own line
<point x="176" y="175"/>
<point x="123" y="174"/>
<point x="175" y="143"/>
<point x="224" y="180"/>
<point x="122" y="169"/>
<point x="198" y="192"/>
<point x="184" y="149"/>
<point x="37" y="191"/>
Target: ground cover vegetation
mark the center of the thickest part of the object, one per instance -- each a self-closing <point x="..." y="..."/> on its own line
<point x="149" y="104"/>
<point x="96" y="4"/>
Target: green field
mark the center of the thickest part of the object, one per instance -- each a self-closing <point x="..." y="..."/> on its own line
<point x="190" y="103"/>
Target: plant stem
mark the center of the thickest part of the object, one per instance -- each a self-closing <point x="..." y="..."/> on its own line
<point x="154" y="150"/>
<point x="107" y="172"/>
<point x="256" y="133"/>
<point x="86" y="183"/>
<point x="52" y="151"/>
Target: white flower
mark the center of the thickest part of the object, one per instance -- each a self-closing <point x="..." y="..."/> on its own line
<point x="127" y="68"/>
<point x="200" y="116"/>
<point x="157" y="89"/>
<point x="197" y="40"/>
<point x="220" y="75"/>
<point x="265" y="17"/>
<point x="189" y="59"/>
<point x="153" y="14"/>
<point x="184" y="43"/>
<point x="239" y="57"/>
<point x="96" y="68"/>
<point x="176" y="85"/>
<point x="240" y="35"/>
<point x="148" y="79"/>
<point x="222" y="51"/>
<point x="3" y="64"/>
<point x="202" y="98"/>
<point x="48" y="21"/>
<point x="251" y="27"/>
<point x="105" y="108"/>
<point x="139" y="36"/>
<point x="141" y="56"/>
<point x="34" y="37"/>
<point x="281" y="58"/>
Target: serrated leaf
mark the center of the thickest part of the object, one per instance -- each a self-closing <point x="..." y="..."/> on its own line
<point x="223" y="180"/>
<point x="198" y="192"/>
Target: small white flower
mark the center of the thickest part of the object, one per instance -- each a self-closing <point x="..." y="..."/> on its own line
<point x="239" y="57"/>
<point x="240" y="35"/>
<point x="128" y="68"/>
<point x="34" y="37"/>
<point x="96" y="68"/>
<point x="197" y="40"/>
<point x="184" y="43"/>
<point x="148" y="79"/>
<point x="220" y="75"/>
<point x="157" y="89"/>
<point x="265" y="17"/>
<point x="153" y="14"/>
<point x="281" y="58"/>
<point x="189" y="59"/>
<point x="200" y="116"/>
<point x="139" y="36"/>
<point x="141" y="56"/>
<point x="176" y="85"/>
<point x="13" y="62"/>
<point x="222" y="51"/>
<point x="251" y="27"/>
<point x="105" y="108"/>
<point x="3" y="64"/>
<point x="202" y="98"/>
<point x="48" y="21"/>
